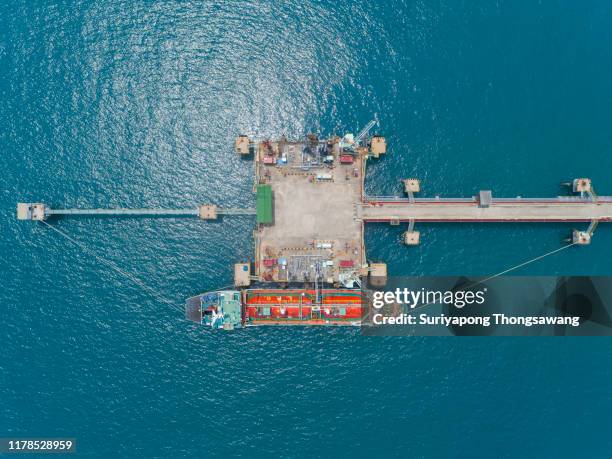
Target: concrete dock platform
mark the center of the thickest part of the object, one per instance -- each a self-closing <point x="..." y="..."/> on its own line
<point x="315" y="233"/>
<point x="31" y="211"/>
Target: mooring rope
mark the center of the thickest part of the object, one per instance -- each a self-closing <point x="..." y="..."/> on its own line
<point x="113" y="266"/>
<point x="170" y="303"/>
<point x="526" y="263"/>
<point x="501" y="273"/>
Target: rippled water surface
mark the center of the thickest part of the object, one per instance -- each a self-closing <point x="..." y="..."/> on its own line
<point x="137" y="104"/>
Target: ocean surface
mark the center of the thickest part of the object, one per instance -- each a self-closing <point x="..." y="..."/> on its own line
<point x="137" y="104"/>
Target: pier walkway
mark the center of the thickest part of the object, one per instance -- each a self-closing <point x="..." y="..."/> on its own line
<point x="561" y="209"/>
<point x="119" y="212"/>
<point x="38" y="211"/>
<point x="146" y="212"/>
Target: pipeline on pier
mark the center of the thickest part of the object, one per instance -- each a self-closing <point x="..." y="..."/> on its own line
<point x="498" y="210"/>
<point x="586" y="207"/>
<point x="39" y="211"/>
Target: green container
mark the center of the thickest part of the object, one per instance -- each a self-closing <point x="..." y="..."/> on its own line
<point x="265" y="207"/>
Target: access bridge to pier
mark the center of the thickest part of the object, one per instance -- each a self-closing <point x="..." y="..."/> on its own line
<point x="583" y="206"/>
<point x="561" y="209"/>
<point x="40" y="211"/>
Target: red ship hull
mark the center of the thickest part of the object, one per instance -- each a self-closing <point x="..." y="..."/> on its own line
<point x="302" y="307"/>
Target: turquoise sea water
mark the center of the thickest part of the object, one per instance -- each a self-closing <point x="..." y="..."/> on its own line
<point x="117" y="103"/>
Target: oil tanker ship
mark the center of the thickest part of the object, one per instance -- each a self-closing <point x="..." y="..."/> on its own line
<point x="230" y="309"/>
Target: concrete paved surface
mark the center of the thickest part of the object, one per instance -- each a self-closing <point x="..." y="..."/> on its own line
<point x="526" y="211"/>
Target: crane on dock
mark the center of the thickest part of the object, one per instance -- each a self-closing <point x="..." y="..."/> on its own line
<point x="363" y="134"/>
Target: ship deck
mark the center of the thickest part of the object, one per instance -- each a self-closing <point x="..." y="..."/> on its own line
<point x="301" y="307"/>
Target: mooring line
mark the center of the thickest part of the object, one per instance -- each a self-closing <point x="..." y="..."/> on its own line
<point x="507" y="270"/>
<point x="525" y="263"/>
<point x="113" y="266"/>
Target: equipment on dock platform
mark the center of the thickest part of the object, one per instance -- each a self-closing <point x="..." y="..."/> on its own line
<point x="348" y="141"/>
<point x="269" y="262"/>
<point x="325" y="177"/>
<point x="365" y="131"/>
<point x="584" y="237"/>
<point x="412" y="237"/>
<point x="582" y="185"/>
